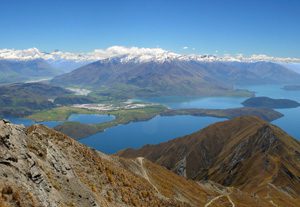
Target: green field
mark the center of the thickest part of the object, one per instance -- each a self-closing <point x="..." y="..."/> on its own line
<point x="78" y="130"/>
<point x="59" y="114"/>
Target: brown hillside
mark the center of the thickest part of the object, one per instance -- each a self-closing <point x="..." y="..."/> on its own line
<point x="41" y="167"/>
<point x="246" y="153"/>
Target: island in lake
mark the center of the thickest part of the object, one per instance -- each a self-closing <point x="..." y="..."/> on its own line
<point x="291" y="88"/>
<point x="266" y="102"/>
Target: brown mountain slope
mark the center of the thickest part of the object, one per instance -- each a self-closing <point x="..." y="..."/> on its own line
<point x="41" y="167"/>
<point x="246" y="153"/>
<point x="209" y="194"/>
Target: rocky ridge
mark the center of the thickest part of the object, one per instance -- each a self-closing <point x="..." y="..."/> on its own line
<point x="245" y="153"/>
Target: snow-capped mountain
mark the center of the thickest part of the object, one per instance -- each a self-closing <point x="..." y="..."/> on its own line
<point x="22" y="65"/>
<point x="123" y="76"/>
<point x="130" y="54"/>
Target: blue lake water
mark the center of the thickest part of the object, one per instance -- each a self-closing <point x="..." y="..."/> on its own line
<point x="28" y="122"/>
<point x="290" y="122"/>
<point x="137" y="134"/>
<point x="160" y="129"/>
<point x="82" y="118"/>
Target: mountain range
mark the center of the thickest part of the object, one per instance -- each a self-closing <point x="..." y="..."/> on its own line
<point x="144" y="70"/>
<point x="123" y="75"/>
<point x="243" y="162"/>
<point x="137" y="53"/>
<point x="19" y="71"/>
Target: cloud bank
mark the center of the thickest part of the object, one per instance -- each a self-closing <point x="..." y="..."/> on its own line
<point x="133" y="54"/>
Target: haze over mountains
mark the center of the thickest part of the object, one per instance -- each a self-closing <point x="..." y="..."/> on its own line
<point x="17" y="71"/>
<point x="292" y="66"/>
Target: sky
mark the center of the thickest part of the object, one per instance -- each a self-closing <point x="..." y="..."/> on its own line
<point x="246" y="27"/>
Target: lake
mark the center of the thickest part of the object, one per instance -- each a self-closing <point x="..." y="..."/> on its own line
<point x="160" y="129"/>
<point x="289" y="123"/>
<point x="291" y="120"/>
<point x="136" y="134"/>
<point x="82" y="118"/>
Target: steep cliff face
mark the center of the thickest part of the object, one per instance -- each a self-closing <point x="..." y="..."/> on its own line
<point x="246" y="153"/>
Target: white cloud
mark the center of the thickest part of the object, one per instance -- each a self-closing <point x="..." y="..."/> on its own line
<point x="185" y="48"/>
<point x="132" y="54"/>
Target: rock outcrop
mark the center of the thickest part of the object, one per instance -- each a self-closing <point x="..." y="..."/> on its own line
<point x="41" y="167"/>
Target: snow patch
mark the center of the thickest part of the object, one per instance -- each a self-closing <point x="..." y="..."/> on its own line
<point x="133" y="54"/>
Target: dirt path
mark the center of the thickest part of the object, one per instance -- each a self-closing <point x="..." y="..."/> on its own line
<point x="213" y="200"/>
<point x="220" y="196"/>
<point x="144" y="172"/>
<point x="274" y="204"/>
<point x="232" y="204"/>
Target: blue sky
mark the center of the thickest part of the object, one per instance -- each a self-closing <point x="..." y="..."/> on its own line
<point x="269" y="27"/>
